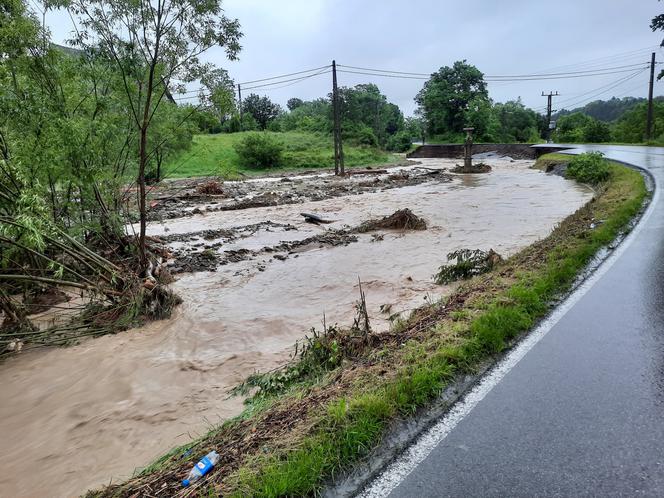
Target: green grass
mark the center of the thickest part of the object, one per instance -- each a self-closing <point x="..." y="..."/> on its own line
<point x="215" y="154"/>
<point x="390" y="382"/>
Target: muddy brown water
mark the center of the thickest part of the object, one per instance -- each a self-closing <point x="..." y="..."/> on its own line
<point x="75" y="418"/>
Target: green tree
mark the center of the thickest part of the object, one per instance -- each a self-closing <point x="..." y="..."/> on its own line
<point x="581" y="128"/>
<point x="262" y="109"/>
<point x="570" y="128"/>
<point x="596" y="132"/>
<point x="365" y="107"/>
<point x="631" y="127"/>
<point x="515" y="122"/>
<point x="152" y="44"/>
<point x="451" y="96"/>
<point x="657" y="24"/>
<point x="312" y="116"/>
<point x="415" y="126"/>
<point x="294" y="103"/>
<point x="218" y="94"/>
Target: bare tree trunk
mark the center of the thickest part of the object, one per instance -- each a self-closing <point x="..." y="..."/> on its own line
<point x="141" y="195"/>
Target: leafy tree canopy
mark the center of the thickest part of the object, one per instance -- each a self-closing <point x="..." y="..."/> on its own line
<point x="262" y="109"/>
<point x="452" y="98"/>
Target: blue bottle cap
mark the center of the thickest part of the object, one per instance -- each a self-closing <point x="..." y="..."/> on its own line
<point x="185" y="483"/>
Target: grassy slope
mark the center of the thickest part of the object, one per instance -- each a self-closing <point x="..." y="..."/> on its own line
<point x="212" y="154"/>
<point x="289" y="445"/>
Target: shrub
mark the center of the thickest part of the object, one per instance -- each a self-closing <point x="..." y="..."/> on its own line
<point x="260" y="150"/>
<point x="361" y="135"/>
<point x="589" y="167"/>
<point x="469" y="262"/>
<point x="399" y="142"/>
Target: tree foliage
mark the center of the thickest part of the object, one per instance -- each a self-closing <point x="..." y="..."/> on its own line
<point x="262" y="109"/>
<point x="657" y="24"/>
<point x="606" y="110"/>
<point x="217" y="94"/>
<point x="631" y="127"/>
<point x="76" y="125"/>
<point x="151" y="45"/>
<point x="453" y="98"/>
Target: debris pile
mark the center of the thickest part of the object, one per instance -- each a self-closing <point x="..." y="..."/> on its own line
<point x="475" y="168"/>
<point x="404" y="219"/>
<point x="211" y="187"/>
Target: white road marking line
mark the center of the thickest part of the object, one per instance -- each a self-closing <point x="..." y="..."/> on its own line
<point x="397" y="471"/>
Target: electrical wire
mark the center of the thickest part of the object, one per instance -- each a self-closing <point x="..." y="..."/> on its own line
<point x="565" y="73"/>
<point x="384" y="71"/>
<point x="632" y="54"/>
<point x="385" y="75"/>
<point x="284" y="75"/>
<point x="295" y="80"/>
<point x="591" y="98"/>
<point x="599" y="89"/>
<point x="504" y="79"/>
<point x="266" y="86"/>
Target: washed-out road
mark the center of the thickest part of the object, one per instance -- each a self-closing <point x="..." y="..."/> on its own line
<point x="578" y="408"/>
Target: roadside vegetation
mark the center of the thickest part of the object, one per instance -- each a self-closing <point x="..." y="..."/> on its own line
<point x="81" y="132"/>
<point x="627" y="126"/>
<point x="325" y="410"/>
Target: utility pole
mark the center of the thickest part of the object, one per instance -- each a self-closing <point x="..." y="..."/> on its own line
<point x="338" y="147"/>
<point x="650" y="90"/>
<point x="549" y="105"/>
<point x="239" y="100"/>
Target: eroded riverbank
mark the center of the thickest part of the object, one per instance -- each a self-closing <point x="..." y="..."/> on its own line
<point x="112" y="404"/>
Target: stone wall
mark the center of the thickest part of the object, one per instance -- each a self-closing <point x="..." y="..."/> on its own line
<point x="455" y="151"/>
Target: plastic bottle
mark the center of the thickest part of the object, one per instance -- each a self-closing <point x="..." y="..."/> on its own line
<point x="204" y="465"/>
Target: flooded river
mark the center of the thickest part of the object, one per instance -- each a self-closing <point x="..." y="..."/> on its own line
<point x="75" y="418"/>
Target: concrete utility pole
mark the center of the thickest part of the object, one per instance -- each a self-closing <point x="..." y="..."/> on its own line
<point x="239" y="100"/>
<point x="338" y="147"/>
<point x="549" y="105"/>
<point x="650" y="91"/>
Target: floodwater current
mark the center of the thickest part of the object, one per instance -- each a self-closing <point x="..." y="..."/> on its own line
<point x="76" y="418"/>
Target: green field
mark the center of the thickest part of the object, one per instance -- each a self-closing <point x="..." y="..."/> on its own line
<point x="215" y="155"/>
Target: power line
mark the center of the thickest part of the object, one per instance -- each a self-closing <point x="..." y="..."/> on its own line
<point x="384" y="75"/>
<point x="566" y="73"/>
<point x="620" y="82"/>
<point x="384" y="71"/>
<point x="505" y="78"/>
<point x="284" y="75"/>
<point x="266" y="86"/>
<point x="603" y="60"/>
<point x="295" y="80"/>
<point x="611" y="84"/>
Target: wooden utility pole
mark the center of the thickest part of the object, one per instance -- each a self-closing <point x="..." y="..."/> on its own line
<point x="650" y="91"/>
<point x="549" y="109"/>
<point x="239" y="100"/>
<point x="336" y="112"/>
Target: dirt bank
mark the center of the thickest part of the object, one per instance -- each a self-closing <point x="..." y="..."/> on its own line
<point x="100" y="409"/>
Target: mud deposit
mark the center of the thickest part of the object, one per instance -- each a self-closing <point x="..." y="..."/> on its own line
<point x="76" y="418"/>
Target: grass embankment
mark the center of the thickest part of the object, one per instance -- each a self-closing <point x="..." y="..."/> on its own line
<point x="215" y="154"/>
<point x="321" y="414"/>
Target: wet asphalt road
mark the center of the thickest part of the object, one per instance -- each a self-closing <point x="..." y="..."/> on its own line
<point x="582" y="414"/>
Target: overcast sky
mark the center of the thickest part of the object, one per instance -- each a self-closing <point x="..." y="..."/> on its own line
<point x="498" y="36"/>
